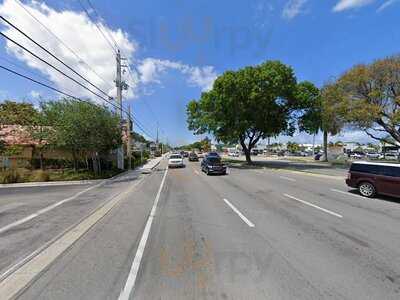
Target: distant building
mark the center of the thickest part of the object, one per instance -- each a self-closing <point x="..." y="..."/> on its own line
<point x="19" y="136"/>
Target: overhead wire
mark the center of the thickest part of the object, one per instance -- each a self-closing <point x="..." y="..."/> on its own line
<point x="110" y="37"/>
<point x="114" y="50"/>
<point x="80" y="59"/>
<point x="63" y="93"/>
<point x="55" y="68"/>
<point x="99" y="17"/>
<point x="52" y="55"/>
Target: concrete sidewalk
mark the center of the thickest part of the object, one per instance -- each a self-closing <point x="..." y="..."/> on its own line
<point x="151" y="164"/>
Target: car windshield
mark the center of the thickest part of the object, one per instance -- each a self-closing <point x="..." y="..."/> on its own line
<point x="202" y="149"/>
<point x="214" y="160"/>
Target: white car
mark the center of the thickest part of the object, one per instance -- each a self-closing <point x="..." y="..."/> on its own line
<point x="373" y="155"/>
<point x="357" y="156"/>
<point x="175" y="161"/>
<point x="389" y="156"/>
<point x="233" y="154"/>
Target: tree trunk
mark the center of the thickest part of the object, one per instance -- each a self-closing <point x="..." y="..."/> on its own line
<point x="247" y="153"/>
<point x="246" y="150"/>
<point x="41" y="161"/>
<point x="74" y="160"/>
<point x="313" y="145"/>
<point x="326" y="145"/>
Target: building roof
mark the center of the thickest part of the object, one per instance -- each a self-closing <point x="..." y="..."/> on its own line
<point x="16" y="135"/>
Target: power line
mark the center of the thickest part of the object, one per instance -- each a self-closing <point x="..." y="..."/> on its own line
<point x="40" y="83"/>
<point x="99" y="17"/>
<point x="80" y="60"/>
<point x="52" y="55"/>
<point x="50" y="65"/>
<point x="137" y="122"/>
<point x="98" y="27"/>
<point x="145" y="102"/>
<point x="49" y="86"/>
<point x="22" y="67"/>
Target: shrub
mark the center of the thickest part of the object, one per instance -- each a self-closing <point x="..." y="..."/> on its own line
<point x="10" y="176"/>
<point x="40" y="176"/>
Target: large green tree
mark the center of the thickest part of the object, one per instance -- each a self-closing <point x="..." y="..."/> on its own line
<point x="83" y="128"/>
<point x="17" y="113"/>
<point x="247" y="105"/>
<point x="370" y="98"/>
<point x="321" y="111"/>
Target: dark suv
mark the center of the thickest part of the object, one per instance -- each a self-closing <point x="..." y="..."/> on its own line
<point x="213" y="165"/>
<point x="375" y="178"/>
<point x="193" y="157"/>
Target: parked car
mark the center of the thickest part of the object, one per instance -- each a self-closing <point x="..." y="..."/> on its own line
<point x="200" y="154"/>
<point x="233" y="153"/>
<point x="213" y="165"/>
<point x="193" y="156"/>
<point x="372" y="178"/>
<point x="357" y="155"/>
<point x="318" y="156"/>
<point x="389" y="156"/>
<point x="281" y="153"/>
<point x="373" y="155"/>
<point x="176" y="161"/>
<point x="254" y="152"/>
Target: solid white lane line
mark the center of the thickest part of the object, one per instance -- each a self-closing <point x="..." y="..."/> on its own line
<point x="313" y="205"/>
<point x="247" y="221"/>
<point x="47" y="209"/>
<point x="347" y="193"/>
<point x="287" y="178"/>
<point x="130" y="282"/>
<point x="22" y="274"/>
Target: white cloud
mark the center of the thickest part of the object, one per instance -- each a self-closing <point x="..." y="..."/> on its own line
<point x="77" y="31"/>
<point x="386" y="4"/>
<point x="350" y="4"/>
<point x="293" y="8"/>
<point x="80" y="33"/>
<point x="151" y="68"/>
<point x="34" y="94"/>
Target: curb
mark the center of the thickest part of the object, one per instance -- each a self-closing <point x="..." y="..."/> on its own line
<point x="67" y="183"/>
<point x="49" y="183"/>
<point x="58" y="183"/>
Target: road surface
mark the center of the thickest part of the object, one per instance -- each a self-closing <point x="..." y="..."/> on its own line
<point x="179" y="234"/>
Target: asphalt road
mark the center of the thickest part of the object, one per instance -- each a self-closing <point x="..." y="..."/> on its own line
<point x="179" y="234"/>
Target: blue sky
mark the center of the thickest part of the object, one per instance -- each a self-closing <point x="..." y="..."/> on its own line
<point x="177" y="48"/>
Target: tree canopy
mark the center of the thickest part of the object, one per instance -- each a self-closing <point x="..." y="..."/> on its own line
<point x="370" y="98"/>
<point x="81" y="127"/>
<point x="247" y="105"/>
<point x="17" y="113"/>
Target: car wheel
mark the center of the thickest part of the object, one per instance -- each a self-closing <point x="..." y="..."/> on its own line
<point x="367" y="189"/>
<point x="208" y="172"/>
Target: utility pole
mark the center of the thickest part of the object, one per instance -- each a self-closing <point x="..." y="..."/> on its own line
<point x="118" y="84"/>
<point x="128" y="143"/>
